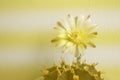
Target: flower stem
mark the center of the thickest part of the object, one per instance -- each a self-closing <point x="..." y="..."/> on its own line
<point x="78" y="58"/>
<point x="77" y="54"/>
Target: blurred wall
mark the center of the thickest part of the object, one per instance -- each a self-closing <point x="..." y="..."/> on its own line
<point x="26" y="28"/>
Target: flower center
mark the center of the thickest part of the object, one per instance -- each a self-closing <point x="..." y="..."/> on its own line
<point x="78" y="37"/>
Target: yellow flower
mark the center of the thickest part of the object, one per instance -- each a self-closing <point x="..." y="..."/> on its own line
<point x="75" y="33"/>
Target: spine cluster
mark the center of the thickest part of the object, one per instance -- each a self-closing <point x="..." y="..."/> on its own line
<point x="76" y="71"/>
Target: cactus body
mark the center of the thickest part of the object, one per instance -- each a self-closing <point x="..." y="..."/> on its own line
<point x="76" y="71"/>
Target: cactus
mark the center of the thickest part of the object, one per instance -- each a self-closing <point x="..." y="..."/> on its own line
<point x="76" y="71"/>
<point x="78" y="35"/>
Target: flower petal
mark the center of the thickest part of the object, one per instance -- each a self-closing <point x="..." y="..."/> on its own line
<point x="61" y="25"/>
<point x="76" y="21"/>
<point x="92" y="44"/>
<point x="91" y="28"/>
<point x="94" y="33"/>
<point x="71" y="21"/>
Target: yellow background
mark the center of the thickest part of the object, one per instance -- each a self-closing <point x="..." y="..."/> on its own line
<point x="26" y="28"/>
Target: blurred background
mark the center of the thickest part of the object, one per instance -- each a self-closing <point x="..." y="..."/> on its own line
<point x="26" y="29"/>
